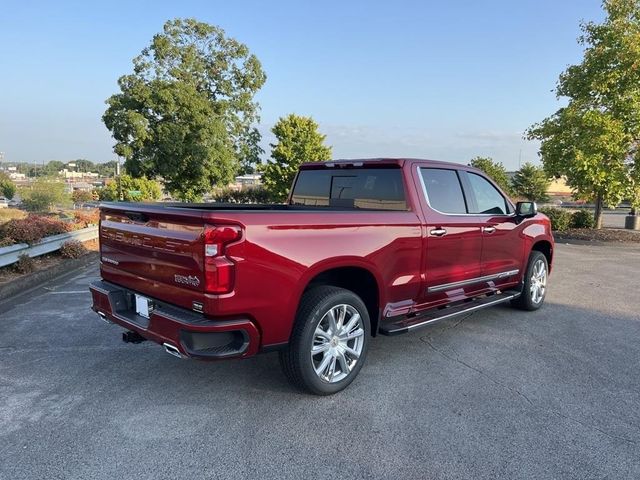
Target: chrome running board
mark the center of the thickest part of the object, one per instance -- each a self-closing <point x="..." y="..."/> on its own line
<point x="435" y="315"/>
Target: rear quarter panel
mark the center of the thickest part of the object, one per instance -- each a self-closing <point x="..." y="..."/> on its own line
<point x="282" y="252"/>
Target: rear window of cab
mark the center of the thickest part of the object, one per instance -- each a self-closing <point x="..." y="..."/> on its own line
<point x="359" y="188"/>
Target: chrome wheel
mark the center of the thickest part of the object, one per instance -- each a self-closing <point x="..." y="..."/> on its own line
<point x="538" y="281"/>
<point x="337" y="343"/>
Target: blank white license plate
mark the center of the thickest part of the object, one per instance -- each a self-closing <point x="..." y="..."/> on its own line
<point x="144" y="306"/>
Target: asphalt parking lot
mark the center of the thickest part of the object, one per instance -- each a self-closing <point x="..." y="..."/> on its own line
<point x="498" y="394"/>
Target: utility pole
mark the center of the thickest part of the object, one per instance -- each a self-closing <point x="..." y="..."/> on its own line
<point x="118" y="179"/>
<point x="520" y="160"/>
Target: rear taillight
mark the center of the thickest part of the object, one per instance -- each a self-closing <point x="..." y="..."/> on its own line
<point x="219" y="270"/>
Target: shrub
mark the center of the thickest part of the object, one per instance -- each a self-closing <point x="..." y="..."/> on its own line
<point x="6" y="242"/>
<point x="72" y="249"/>
<point x="246" y="195"/>
<point x="560" y="219"/>
<point x="32" y="229"/>
<point x="81" y="196"/>
<point x="25" y="264"/>
<point x="86" y="218"/>
<point x="582" y="219"/>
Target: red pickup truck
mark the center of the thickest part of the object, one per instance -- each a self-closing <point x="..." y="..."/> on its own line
<point x="363" y="247"/>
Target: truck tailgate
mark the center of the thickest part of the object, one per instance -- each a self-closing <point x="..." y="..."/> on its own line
<point x="153" y="252"/>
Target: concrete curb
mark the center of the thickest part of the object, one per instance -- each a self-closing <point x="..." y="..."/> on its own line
<point x="37" y="279"/>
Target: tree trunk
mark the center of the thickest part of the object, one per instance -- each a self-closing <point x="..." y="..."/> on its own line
<point x="598" y="213"/>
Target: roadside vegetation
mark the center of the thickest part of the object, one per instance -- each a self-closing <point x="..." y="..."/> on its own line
<point x="32" y="228"/>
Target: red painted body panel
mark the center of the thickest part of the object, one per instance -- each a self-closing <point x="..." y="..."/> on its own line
<point x="157" y="251"/>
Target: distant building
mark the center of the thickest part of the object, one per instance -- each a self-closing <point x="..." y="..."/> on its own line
<point x="84" y="186"/>
<point x="248" y="180"/>
<point x="66" y="173"/>
<point x="15" y="175"/>
<point x="559" y="188"/>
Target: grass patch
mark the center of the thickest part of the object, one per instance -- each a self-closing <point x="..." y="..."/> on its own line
<point x="7" y="214"/>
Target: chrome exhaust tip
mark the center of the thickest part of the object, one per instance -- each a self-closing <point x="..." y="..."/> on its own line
<point x="104" y="318"/>
<point x="172" y="350"/>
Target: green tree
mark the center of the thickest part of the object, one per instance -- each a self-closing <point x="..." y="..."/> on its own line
<point x="7" y="187"/>
<point x="187" y="112"/>
<point x="44" y="194"/>
<point x="82" y="165"/>
<point x="531" y="182"/>
<point x="298" y="141"/>
<point x="593" y="141"/>
<point x="81" y="196"/>
<point x="133" y="189"/>
<point x="53" y="167"/>
<point x="106" y="169"/>
<point x="495" y="170"/>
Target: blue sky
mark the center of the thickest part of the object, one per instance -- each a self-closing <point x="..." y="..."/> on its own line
<point x="445" y="80"/>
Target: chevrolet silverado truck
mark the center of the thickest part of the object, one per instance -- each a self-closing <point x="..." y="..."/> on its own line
<point x="363" y="247"/>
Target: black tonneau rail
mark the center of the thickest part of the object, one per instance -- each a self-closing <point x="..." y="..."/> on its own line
<point x="233" y="207"/>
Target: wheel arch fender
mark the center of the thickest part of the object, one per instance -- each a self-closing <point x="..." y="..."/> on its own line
<point x="326" y="273"/>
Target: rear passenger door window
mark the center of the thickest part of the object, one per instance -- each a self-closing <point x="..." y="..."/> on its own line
<point x="443" y="190"/>
<point x="488" y="200"/>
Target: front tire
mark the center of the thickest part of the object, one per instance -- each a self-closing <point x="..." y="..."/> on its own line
<point x="329" y="342"/>
<point x="534" y="289"/>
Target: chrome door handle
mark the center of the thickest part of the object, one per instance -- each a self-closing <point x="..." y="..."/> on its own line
<point x="489" y="229"/>
<point x="438" y="232"/>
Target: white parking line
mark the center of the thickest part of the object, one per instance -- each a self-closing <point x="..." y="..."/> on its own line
<point x="68" y="293"/>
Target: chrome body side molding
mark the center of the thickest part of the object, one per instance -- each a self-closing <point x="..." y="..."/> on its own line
<point x="462" y="283"/>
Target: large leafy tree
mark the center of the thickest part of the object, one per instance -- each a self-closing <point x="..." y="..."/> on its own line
<point x="187" y="113"/>
<point x="494" y="169"/>
<point x="531" y="182"/>
<point x="593" y="141"/>
<point x="298" y="141"/>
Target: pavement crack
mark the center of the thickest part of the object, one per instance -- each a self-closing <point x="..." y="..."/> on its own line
<point x="592" y="427"/>
<point x="454" y="325"/>
<point x="426" y="339"/>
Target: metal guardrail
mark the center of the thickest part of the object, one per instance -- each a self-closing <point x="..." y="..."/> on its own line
<point x="10" y="254"/>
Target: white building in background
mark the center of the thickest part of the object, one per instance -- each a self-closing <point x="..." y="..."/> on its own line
<point x="16" y="176"/>
<point x="66" y="173"/>
<point x="248" y="180"/>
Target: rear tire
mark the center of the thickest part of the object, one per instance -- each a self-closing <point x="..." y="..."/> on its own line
<point x="534" y="289"/>
<point x="329" y="341"/>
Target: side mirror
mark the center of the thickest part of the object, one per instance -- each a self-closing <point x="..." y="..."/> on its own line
<point x="526" y="209"/>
